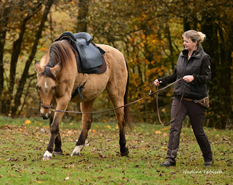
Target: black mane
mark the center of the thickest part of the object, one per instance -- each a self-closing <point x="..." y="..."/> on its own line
<point x="59" y="52"/>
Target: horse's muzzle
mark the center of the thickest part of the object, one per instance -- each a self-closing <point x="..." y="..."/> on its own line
<point x="45" y="116"/>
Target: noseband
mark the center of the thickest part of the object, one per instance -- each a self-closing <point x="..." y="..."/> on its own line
<point x="47" y="107"/>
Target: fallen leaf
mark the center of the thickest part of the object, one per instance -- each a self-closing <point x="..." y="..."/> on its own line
<point x="69" y="132"/>
<point x="42" y="172"/>
<point x="158" y="132"/>
<point x="67" y="178"/>
<point x="27" y="122"/>
<point x="108" y="126"/>
<point x="101" y="154"/>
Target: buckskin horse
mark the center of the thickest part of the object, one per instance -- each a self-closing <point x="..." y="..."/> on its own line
<point x="57" y="78"/>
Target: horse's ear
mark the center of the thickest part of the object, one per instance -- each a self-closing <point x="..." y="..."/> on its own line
<point x="38" y="68"/>
<point x="56" y="69"/>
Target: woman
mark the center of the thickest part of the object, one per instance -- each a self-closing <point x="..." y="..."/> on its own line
<point x="193" y="65"/>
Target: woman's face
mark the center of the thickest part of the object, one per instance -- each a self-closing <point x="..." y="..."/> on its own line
<point x="189" y="44"/>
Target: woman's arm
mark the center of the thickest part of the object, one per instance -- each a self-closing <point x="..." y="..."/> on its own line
<point x="205" y="75"/>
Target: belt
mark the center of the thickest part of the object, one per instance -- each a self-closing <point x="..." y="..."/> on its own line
<point x="188" y="99"/>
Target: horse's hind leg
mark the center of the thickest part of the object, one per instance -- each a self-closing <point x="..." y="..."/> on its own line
<point x="86" y="125"/>
<point x="117" y="102"/>
<point x="121" y="124"/>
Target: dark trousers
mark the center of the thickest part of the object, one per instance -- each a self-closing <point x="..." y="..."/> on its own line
<point x="197" y="116"/>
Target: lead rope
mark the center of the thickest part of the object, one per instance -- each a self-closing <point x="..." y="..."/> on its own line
<point x="157" y="105"/>
<point x="150" y="94"/>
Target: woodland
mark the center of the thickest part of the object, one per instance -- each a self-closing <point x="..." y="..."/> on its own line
<point x="147" y="32"/>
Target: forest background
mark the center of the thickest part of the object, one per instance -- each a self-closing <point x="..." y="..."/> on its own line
<point x="147" y="32"/>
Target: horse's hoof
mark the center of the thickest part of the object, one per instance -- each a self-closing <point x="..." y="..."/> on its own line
<point x="125" y="153"/>
<point x="77" y="150"/>
<point x="57" y="153"/>
<point x="75" y="154"/>
<point x="47" y="156"/>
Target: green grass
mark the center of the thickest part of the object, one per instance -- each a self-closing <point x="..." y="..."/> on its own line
<point x="24" y="142"/>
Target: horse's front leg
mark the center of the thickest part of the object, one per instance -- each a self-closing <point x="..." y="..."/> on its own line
<point x="57" y="150"/>
<point x="86" y="125"/>
<point x="55" y="137"/>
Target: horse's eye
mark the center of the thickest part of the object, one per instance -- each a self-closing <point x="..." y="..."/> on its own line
<point x="37" y="87"/>
<point x="54" y="87"/>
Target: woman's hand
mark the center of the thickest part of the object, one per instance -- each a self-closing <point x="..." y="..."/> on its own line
<point x="156" y="82"/>
<point x="188" y="78"/>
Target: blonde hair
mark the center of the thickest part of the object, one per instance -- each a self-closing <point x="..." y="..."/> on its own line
<point x="195" y="36"/>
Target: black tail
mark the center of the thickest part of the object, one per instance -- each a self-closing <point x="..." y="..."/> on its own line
<point x="127" y="116"/>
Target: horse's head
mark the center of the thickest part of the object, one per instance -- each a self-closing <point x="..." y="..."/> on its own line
<point x="46" y="87"/>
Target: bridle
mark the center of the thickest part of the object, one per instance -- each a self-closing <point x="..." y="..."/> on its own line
<point x="51" y="104"/>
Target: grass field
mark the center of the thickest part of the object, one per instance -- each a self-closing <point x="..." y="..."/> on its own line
<point x="23" y="143"/>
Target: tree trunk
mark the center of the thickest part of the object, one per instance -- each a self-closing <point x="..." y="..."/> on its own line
<point x="3" y="30"/>
<point x="215" y="46"/>
<point x="186" y="24"/>
<point x="29" y="61"/>
<point x="14" y="59"/>
<point x="171" y="57"/>
<point x="82" y="16"/>
<point x="15" y="55"/>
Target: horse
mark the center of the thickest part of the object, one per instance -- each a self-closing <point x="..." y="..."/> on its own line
<point x="57" y="78"/>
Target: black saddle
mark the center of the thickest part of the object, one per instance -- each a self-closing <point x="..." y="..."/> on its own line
<point x="90" y="57"/>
